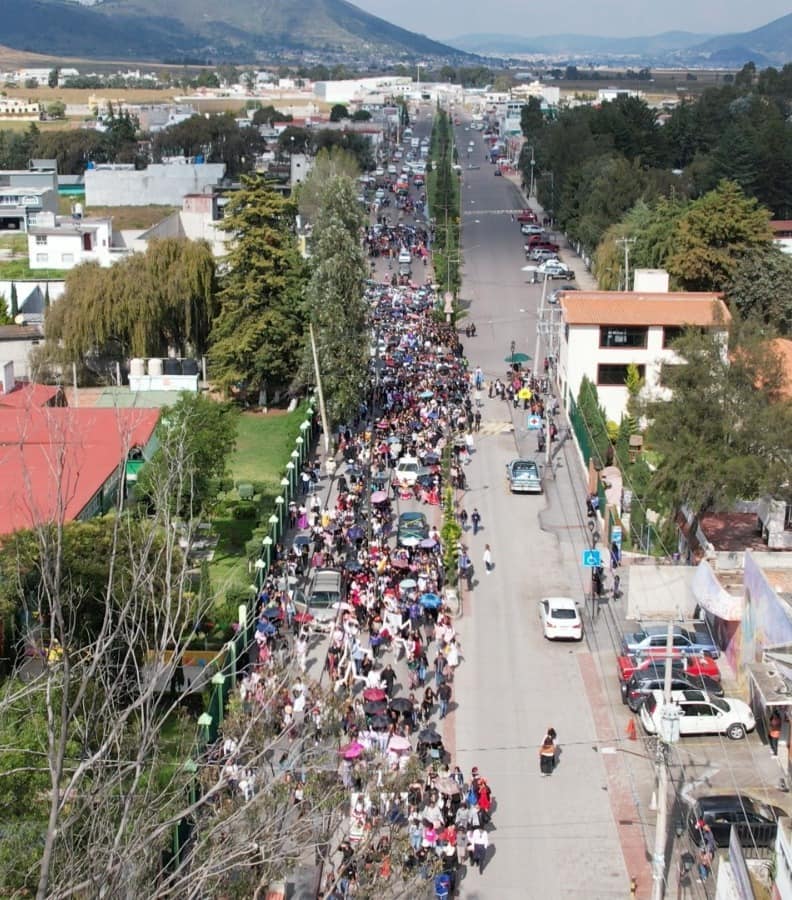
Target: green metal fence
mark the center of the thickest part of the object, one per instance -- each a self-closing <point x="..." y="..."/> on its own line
<point x="581" y="432"/>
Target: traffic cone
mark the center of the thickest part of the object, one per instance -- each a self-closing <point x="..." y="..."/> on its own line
<point x="631" y="733"/>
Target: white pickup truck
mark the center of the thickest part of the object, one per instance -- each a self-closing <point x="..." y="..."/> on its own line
<point x="550" y="269"/>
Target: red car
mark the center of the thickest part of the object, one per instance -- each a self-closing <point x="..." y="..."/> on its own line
<point x="526" y="215"/>
<point x="627" y="666"/>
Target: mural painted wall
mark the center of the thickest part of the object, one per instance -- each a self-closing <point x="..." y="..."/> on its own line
<point x="766" y="618"/>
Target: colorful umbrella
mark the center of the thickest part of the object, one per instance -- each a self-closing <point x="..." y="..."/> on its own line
<point x="446" y="786"/>
<point x="428" y="543"/>
<point x="400" y="563"/>
<point x="352" y="751"/>
<point x="402" y="704"/>
<point x="431" y="601"/>
<point x="399" y="744"/>
<point x="355" y="533"/>
<point x="407" y="583"/>
<point x="379" y="497"/>
<point x="302" y="618"/>
<point x="374" y="694"/>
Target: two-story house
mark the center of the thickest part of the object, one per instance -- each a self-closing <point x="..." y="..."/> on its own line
<point x="63" y="242"/>
<point x="602" y="332"/>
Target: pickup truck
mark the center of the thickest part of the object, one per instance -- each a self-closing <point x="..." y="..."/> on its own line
<point x="550" y="269"/>
<point x="627" y="666"/>
<point x="526" y="215"/>
<point x="541" y="245"/>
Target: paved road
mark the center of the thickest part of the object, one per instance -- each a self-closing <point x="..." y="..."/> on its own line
<point x="557" y="836"/>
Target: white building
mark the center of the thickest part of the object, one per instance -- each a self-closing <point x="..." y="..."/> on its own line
<point x="61" y="242"/>
<point x="782" y="234"/>
<point x="156" y="184"/>
<point x="549" y="94"/>
<point x="602" y="332"/>
<point x="21" y="207"/>
<point x="19" y="110"/>
<point x="608" y="94"/>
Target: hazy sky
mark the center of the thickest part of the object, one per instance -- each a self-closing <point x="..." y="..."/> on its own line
<point x="614" y="18"/>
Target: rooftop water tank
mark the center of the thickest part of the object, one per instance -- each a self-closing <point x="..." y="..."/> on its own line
<point x="155" y="366"/>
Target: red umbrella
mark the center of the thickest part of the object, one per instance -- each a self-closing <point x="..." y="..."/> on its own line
<point x="400" y="563"/>
<point x="374" y="694"/>
<point x="301" y="618"/>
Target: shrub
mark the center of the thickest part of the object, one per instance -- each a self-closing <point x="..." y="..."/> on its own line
<point x="245" y="510"/>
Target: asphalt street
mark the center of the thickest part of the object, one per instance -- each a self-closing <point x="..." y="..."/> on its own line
<point x="556" y="836"/>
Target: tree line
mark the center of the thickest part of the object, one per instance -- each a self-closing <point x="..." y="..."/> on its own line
<point x="218" y="137"/>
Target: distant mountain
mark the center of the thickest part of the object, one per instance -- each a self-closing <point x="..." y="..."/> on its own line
<point x="769" y="45"/>
<point x="236" y="30"/>
<point x="576" y="44"/>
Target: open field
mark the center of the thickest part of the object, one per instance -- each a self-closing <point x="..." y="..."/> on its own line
<point x="125" y="218"/>
<point x="46" y="95"/>
<point x="12" y="58"/>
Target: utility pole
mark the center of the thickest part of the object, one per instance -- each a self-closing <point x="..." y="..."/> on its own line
<point x="665" y="737"/>
<point x="625" y="242"/>
<point x="533" y="163"/>
<point x="540" y="323"/>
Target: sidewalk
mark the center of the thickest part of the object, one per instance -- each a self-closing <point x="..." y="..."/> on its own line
<point x="583" y="277"/>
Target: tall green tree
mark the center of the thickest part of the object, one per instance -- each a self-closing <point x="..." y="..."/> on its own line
<point x="142" y="306"/>
<point x="257" y="338"/>
<point x="726" y="432"/>
<point x="761" y="288"/>
<point x="14" y="301"/>
<point x="714" y="232"/>
<point x="338" y="311"/>
<point x="200" y="434"/>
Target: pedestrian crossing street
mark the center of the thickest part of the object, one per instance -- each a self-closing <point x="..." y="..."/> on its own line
<point x="492" y="428"/>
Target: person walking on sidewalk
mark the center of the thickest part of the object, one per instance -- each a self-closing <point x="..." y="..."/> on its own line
<point x="547" y="756"/>
<point x="463" y="519"/>
<point x="488" y="564"/>
<point x="774" y="731"/>
<point x="444" y="698"/>
<point x="475" y="518"/>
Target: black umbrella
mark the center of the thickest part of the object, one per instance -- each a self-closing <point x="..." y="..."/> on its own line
<point x="379" y="723"/>
<point x="352" y="565"/>
<point x="429" y="736"/>
<point x="402" y="704"/>
<point x="374" y="707"/>
<point x="301" y="540"/>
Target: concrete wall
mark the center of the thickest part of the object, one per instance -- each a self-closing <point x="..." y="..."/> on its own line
<point x="18" y="353"/>
<point x="158" y="184"/>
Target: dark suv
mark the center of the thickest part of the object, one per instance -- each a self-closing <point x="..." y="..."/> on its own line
<point x="638" y="688"/>
<point x="756" y="822"/>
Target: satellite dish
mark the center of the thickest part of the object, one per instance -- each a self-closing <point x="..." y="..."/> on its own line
<point x="19" y="319"/>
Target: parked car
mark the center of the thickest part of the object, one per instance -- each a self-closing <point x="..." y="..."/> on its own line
<point x="756" y="822"/>
<point x="412" y="529"/>
<point x="532" y="247"/>
<point x="555" y="296"/>
<point x="638" y="688"/>
<point x="553" y="268"/>
<point x="654" y="636"/>
<point x="560" y="619"/>
<point x="522" y="476"/>
<point x="655" y="660"/>
<point x="526" y="215"/>
<point x="531" y="228"/>
<point x="700" y="714"/>
<point x="497" y="171"/>
<point x="542" y="255"/>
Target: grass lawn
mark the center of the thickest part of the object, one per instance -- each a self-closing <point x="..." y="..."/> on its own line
<point x="19" y="270"/>
<point x="124" y="217"/>
<point x="15" y="242"/>
<point x="264" y="445"/>
<point x="264" y="442"/>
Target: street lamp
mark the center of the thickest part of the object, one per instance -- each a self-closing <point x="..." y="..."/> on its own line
<point x="299" y="441"/>
<point x="279" y="502"/>
<point x="267" y="543"/>
<point x="290" y="474"/>
<point x="205" y="723"/>
<point x="286" y="486"/>
<point x="273" y="523"/>
<point x="533" y="163"/>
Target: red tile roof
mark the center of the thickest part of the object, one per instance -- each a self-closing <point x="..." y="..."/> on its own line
<point x="633" y="308"/>
<point x="53" y="460"/>
<point x="26" y="396"/>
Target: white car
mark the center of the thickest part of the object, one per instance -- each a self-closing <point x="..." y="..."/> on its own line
<point x="560" y="619"/>
<point x="700" y="714"/>
<point x="407" y="470"/>
<point x="531" y="228"/>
